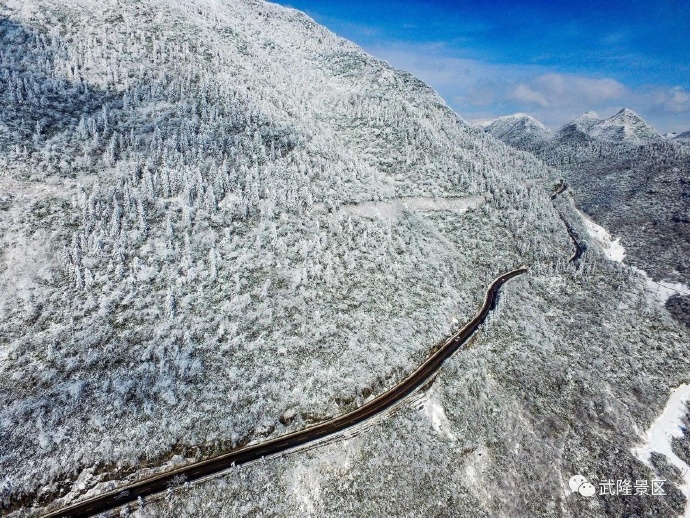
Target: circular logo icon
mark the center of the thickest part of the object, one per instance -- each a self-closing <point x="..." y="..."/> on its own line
<point x="575" y="482"/>
<point x="586" y="489"/>
<point x="579" y="484"/>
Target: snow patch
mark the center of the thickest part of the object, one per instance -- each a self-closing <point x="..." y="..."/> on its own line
<point x="26" y="259"/>
<point x="658" y="437"/>
<point x="476" y="465"/>
<point x="612" y="248"/>
<point x="306" y="489"/>
<point x="395" y="209"/>
<point x="433" y="411"/>
<point x="304" y="480"/>
<point x="664" y="289"/>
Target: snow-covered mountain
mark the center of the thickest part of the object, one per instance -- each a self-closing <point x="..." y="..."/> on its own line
<point x="219" y="223"/>
<point x="624" y="126"/>
<point x="518" y="128"/>
<point x="526" y="132"/>
<point x="683" y="137"/>
<point x="577" y="131"/>
<point x="586" y="121"/>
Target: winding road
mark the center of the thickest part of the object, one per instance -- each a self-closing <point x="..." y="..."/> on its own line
<point x="160" y="483"/>
<point x="579" y="248"/>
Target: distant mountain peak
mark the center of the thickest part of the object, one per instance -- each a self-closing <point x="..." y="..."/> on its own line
<point x="577" y="130"/>
<point x="589" y="115"/>
<point x="519" y="115"/>
<point x="626" y="114"/>
<point x="624" y="126"/>
<point x="518" y="128"/>
<point x="511" y="117"/>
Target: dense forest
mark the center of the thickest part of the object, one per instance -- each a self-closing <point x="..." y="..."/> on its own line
<point x="182" y="267"/>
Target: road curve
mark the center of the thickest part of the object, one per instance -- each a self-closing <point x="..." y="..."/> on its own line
<point x="579" y="249"/>
<point x="160" y="483"/>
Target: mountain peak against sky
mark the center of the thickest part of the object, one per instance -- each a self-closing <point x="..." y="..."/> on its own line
<point x="626" y="115"/>
<point x="588" y="115"/>
<point x="461" y="47"/>
<point x="624" y="126"/>
<point x="586" y="120"/>
<point x="518" y="126"/>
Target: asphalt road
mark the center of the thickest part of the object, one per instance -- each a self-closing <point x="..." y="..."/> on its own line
<point x="160" y="483"/>
<point x="579" y="249"/>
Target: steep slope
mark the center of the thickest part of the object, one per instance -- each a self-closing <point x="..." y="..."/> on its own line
<point x="181" y="266"/>
<point x="221" y="223"/>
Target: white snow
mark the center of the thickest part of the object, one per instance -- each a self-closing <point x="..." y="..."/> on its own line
<point x="664" y="289"/>
<point x="306" y="478"/>
<point x="658" y="437"/>
<point x="519" y="127"/>
<point x="306" y="489"/>
<point x="211" y="256"/>
<point x="476" y="465"/>
<point x="433" y="411"/>
<point x="395" y="209"/>
<point x="26" y="260"/>
<point x="624" y="126"/>
<point x="611" y="247"/>
<point x="661" y="290"/>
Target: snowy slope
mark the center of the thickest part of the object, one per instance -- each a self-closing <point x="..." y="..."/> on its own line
<point x="683" y="137"/>
<point x="217" y="215"/>
<point x="586" y="121"/>
<point x="624" y="126"/>
<point x="632" y="181"/>
<point x="183" y="258"/>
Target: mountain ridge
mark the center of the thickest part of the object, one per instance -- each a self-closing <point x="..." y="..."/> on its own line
<point x="623" y="126"/>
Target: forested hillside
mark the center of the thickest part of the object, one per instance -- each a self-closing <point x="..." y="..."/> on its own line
<point x="198" y="251"/>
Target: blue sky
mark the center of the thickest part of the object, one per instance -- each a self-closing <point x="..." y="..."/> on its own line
<point x="551" y="59"/>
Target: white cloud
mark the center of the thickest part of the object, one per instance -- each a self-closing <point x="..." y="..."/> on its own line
<point x="594" y="90"/>
<point x="524" y="93"/>
<point x="674" y="100"/>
